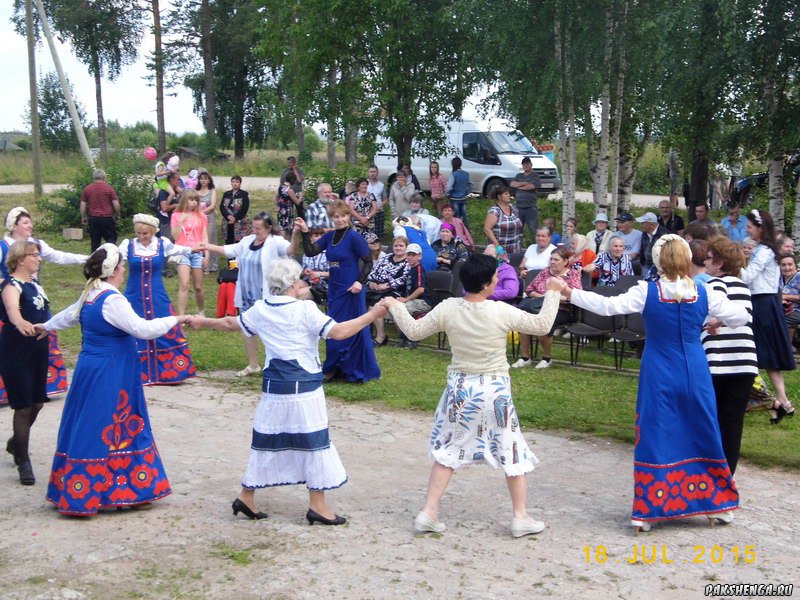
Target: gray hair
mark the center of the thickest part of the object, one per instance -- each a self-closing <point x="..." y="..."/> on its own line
<point x="98" y="174"/>
<point x="283" y="273"/>
<point x="319" y="188"/>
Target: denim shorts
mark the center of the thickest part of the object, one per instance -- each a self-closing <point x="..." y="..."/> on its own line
<point x="194" y="260"/>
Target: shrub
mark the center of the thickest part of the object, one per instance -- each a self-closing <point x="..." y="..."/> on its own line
<point x="317" y="173"/>
<point x="123" y="170"/>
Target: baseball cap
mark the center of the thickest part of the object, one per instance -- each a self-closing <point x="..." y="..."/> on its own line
<point x="371" y="238"/>
<point x="413" y="249"/>
<point x="647" y="217"/>
<point x="626" y="216"/>
<point x="600" y="217"/>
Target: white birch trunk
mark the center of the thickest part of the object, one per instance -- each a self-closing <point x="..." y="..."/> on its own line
<point x="777" y="200"/>
<point x="796" y="223"/>
<point x="565" y="110"/>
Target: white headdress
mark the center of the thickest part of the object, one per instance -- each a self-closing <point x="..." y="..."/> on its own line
<point x="146" y="220"/>
<point x="109" y="266"/>
<point x="13" y="215"/>
<point x="684" y="286"/>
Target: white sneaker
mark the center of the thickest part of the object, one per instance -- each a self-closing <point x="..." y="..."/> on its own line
<point x="522" y="363"/>
<point x="424" y="524"/>
<point x="522" y="527"/>
<point x="543" y="364"/>
<point x="247" y="371"/>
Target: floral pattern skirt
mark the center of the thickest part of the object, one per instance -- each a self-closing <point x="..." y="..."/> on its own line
<point x="476" y="422"/>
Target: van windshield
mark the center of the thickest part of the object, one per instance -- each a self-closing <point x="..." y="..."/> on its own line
<point x="510" y="142"/>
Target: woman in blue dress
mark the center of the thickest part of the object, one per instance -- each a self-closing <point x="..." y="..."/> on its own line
<point x="167" y="359"/>
<point x="106" y="456"/>
<point x="19" y="228"/>
<point x="679" y="465"/>
<point x="352" y="359"/>
<point x="23" y="356"/>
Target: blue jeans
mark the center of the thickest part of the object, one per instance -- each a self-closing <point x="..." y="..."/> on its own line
<point x="460" y="209"/>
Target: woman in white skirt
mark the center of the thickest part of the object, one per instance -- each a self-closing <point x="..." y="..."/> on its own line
<point x="291" y="444"/>
<point x="476" y="420"/>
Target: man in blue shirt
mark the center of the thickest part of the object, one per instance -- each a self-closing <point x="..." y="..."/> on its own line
<point x="458" y="187"/>
<point x="735" y="223"/>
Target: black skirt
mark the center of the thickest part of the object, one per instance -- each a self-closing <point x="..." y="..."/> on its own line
<point x="773" y="346"/>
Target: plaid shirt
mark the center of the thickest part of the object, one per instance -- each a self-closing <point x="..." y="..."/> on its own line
<point x="317" y="215"/>
<point x="611" y="270"/>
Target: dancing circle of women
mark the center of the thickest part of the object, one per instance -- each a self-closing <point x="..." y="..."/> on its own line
<point x="106" y="456"/>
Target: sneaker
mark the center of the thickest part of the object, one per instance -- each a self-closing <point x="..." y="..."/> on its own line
<point x="543" y="364"/>
<point x="424" y="524"/>
<point x="522" y="362"/>
<point x="523" y="527"/>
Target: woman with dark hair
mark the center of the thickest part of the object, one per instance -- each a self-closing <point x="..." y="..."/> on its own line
<point x="352" y="359"/>
<point x="476" y="420"/>
<point x="19" y="228"/>
<point x="762" y="275"/>
<point x="106" y="456"/>
<point x="731" y="351"/>
<point x="234" y="206"/>
<point x="503" y="226"/>
<point x="23" y="356"/>
<point x="208" y="205"/>
<point x="387" y="278"/>
<point x="286" y="201"/>
<point x="680" y="468"/>
<point x="255" y="254"/>
<point x="559" y="268"/>
<point x="364" y="206"/>
<point x="290" y="442"/>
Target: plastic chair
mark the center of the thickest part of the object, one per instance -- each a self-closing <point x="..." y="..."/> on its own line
<point x="626" y="282"/>
<point x="631" y="330"/>
<point x="590" y="325"/>
<point x="440" y="284"/>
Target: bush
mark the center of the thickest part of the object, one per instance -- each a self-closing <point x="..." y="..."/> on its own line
<point x="123" y="170"/>
<point x="317" y="173"/>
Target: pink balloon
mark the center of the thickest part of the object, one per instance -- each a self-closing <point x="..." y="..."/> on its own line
<point x="150" y="153"/>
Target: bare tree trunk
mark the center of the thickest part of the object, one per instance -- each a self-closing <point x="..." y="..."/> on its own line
<point x="32" y="84"/>
<point x="158" y="62"/>
<point x="208" y="71"/>
<point x="629" y="166"/>
<point x="796" y="226"/>
<point x="777" y="200"/>
<point x="351" y="143"/>
<point x="565" y="108"/>
<point x="101" y="121"/>
<point x="300" y="135"/>
<point x="600" y="178"/>
<point x="331" y="142"/>
<point x="698" y="193"/>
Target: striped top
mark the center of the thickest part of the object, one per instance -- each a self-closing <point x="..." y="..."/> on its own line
<point x="732" y="351"/>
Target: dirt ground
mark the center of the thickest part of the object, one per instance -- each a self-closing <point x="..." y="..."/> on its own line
<point x="191" y="546"/>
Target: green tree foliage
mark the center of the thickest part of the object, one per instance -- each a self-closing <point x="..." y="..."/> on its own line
<point x="55" y="124"/>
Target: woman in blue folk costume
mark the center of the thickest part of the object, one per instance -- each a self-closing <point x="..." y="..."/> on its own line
<point x="106" y="456"/>
<point x="167" y="359"/>
<point x="679" y="465"/>
<point x="19" y="228"/>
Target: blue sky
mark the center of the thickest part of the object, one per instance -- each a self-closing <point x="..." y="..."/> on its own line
<point x="127" y="99"/>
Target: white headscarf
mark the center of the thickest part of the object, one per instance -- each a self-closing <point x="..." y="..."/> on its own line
<point x="13" y="215"/>
<point x="684" y="286"/>
<point x="146" y="220"/>
<point x="109" y="266"/>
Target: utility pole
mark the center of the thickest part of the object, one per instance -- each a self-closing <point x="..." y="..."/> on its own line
<point x="76" y="121"/>
<point x="35" y="133"/>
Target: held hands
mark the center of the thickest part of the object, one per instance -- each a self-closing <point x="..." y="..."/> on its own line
<point x="388" y="302"/>
<point x="41" y="332"/>
<point x="555" y="284"/>
<point x="712" y="326"/>
<point x="26" y="328"/>
<point x="300" y="225"/>
<point x="380" y="309"/>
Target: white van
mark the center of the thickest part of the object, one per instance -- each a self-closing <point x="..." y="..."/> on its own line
<point x="491" y="152"/>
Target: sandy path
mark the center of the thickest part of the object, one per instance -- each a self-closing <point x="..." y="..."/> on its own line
<point x="189" y="545"/>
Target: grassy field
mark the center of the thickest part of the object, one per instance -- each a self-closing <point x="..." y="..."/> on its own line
<point x="596" y="401"/>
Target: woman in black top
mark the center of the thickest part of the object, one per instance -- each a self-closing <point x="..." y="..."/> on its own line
<point x="234" y="206"/>
<point x="23" y="355"/>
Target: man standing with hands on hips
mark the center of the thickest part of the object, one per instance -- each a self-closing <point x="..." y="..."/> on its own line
<point x="100" y="210"/>
<point x="526" y="186"/>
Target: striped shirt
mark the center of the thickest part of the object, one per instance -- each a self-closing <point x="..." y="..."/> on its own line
<point x="732" y="351"/>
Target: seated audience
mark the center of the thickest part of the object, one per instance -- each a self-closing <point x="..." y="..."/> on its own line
<point x="414" y="293"/>
<point x="790" y="286"/>
<point x="315" y="269"/>
<point x="537" y="256"/>
<point x="534" y="297"/>
<point x="462" y="232"/>
<point x="449" y="249"/>
<point x="613" y="264"/>
<point x="507" y="288"/>
<point x="387" y="278"/>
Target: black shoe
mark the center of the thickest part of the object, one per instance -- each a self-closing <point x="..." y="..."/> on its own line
<point x="239" y="506"/>
<point x="26" y="476"/>
<point x="10" y="449"/>
<point x="400" y="343"/>
<point x="780" y="413"/>
<point x="383" y="343"/>
<point x="315" y="517"/>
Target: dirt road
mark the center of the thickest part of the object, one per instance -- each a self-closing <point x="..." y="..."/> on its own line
<point x="191" y="546"/>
